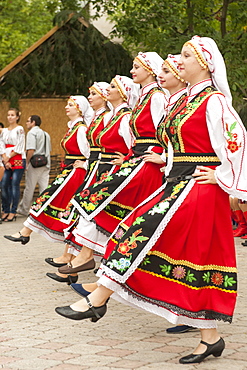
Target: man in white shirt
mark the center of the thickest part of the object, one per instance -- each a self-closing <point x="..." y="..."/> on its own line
<point x="37" y="142"/>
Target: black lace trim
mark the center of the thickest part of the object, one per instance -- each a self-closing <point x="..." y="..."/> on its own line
<point x="206" y="314"/>
<point x="99" y="228"/>
<point x="72" y="244"/>
<point x="55" y="232"/>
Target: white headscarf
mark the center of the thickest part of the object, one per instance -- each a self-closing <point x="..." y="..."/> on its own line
<point x="208" y="55"/>
<point x="100" y="88"/>
<point x="128" y="90"/>
<point x="83" y="107"/>
<point x="151" y="61"/>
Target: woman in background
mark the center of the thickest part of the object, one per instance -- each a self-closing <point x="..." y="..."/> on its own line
<point x="12" y="149"/>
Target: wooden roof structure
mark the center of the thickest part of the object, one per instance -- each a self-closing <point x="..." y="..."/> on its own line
<point x="65" y="61"/>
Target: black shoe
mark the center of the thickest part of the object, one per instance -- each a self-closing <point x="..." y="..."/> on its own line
<point x="244" y="243"/>
<point x="180" y="329"/>
<point x="93" y="313"/>
<point x="69" y="279"/>
<point x="215" y="349"/>
<point x="10" y="219"/>
<point x="21" y="238"/>
<point x="55" y="264"/>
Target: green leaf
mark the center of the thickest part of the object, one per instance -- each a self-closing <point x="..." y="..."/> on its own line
<point x="138" y="220"/>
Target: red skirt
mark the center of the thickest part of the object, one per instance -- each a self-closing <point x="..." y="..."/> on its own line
<point x="188" y="275"/>
<point x="48" y="209"/>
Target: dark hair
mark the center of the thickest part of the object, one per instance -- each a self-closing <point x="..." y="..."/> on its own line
<point x="1" y="125"/>
<point x="17" y="112"/>
<point x="36" y="119"/>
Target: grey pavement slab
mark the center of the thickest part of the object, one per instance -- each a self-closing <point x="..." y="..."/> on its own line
<point x="33" y="336"/>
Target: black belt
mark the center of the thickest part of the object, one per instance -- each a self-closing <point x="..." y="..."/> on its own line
<point x="179" y="178"/>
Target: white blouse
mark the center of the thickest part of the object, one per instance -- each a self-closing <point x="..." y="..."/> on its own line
<point x="14" y="137"/>
<point x="228" y="138"/>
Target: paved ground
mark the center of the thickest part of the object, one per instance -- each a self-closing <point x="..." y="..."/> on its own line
<point x="34" y="337"/>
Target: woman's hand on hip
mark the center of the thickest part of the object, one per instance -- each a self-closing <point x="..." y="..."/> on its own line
<point x="152" y="157"/>
<point x="204" y="175"/>
<point x="118" y="159"/>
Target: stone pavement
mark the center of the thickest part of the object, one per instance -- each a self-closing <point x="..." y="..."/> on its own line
<point x="34" y="337"/>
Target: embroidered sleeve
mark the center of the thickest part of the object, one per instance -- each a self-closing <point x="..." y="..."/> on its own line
<point x="228" y="137"/>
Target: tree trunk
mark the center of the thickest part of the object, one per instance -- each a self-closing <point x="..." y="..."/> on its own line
<point x="190" y="14"/>
<point x="223" y="17"/>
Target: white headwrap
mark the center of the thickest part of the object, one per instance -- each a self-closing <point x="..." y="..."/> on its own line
<point x="151" y="61"/>
<point x="100" y="88"/>
<point x="128" y="90"/>
<point x="209" y="56"/>
<point x="171" y="63"/>
<point x="83" y="107"/>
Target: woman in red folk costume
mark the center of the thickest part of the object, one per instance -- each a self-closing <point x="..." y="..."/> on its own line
<point x="170" y="80"/>
<point x="98" y="101"/>
<point x="46" y="211"/>
<point x="177" y="258"/>
<point x="114" y="141"/>
<point x="105" y="204"/>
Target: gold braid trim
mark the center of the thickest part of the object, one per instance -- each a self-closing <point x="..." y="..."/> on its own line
<point x="195" y="159"/>
<point x="98" y="92"/>
<point x="76" y="106"/>
<point x="122" y="94"/>
<point x="173" y="70"/>
<point x="143" y="141"/>
<point x="81" y="157"/>
<point x="198" y="55"/>
<point x="144" y="65"/>
<point x="122" y="205"/>
<point x="192" y="265"/>
<point x="187" y="285"/>
<point x="117" y="218"/>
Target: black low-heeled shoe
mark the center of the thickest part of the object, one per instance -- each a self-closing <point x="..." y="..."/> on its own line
<point x="21" y="238"/>
<point x="55" y="264"/>
<point x="10" y="219"/>
<point x="69" y="279"/>
<point x="93" y="313"/>
<point x="215" y="349"/>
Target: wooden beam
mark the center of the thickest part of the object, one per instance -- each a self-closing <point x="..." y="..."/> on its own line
<point x="28" y="51"/>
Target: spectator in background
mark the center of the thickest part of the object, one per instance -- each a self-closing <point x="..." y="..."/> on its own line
<point x="1" y="176"/>
<point x="37" y="142"/>
<point x="12" y="149"/>
<point x="1" y="162"/>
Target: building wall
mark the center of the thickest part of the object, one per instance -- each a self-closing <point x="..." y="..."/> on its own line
<point x="52" y="113"/>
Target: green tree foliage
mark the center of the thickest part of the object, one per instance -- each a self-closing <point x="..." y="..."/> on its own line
<point x="163" y="26"/>
<point x="22" y="22"/>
